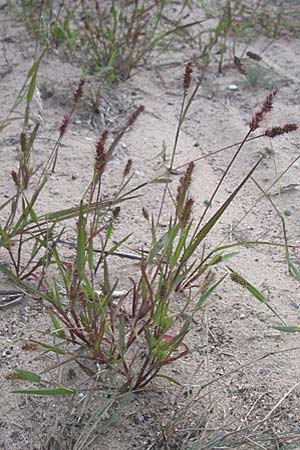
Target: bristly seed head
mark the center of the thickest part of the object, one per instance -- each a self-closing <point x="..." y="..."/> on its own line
<point x="63" y="126"/>
<point x="145" y="214"/>
<point x="259" y="115"/>
<point x="186" y="214"/>
<point x="184" y="182"/>
<point x="100" y="157"/>
<point x="135" y="35"/>
<point x="238" y="279"/>
<point x="116" y="212"/>
<point x="134" y="116"/>
<point x="187" y="77"/>
<point x="23" y="142"/>
<point x="277" y="131"/>
<point x="127" y="168"/>
<point x="78" y="92"/>
<point x="183" y="206"/>
<point x="163" y="291"/>
<point x="15" y="177"/>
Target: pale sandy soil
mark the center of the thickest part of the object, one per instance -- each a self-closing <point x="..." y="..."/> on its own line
<point x="234" y="328"/>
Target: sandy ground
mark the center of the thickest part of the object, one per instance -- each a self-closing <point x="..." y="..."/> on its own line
<point x="234" y="329"/>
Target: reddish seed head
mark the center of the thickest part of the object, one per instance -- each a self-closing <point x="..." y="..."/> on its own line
<point x="163" y="292"/>
<point x="186" y="212"/>
<point x="135" y="35"/>
<point x="15" y="177"/>
<point x="134" y="116"/>
<point x="259" y="115"/>
<point x="187" y="77"/>
<point x="29" y="346"/>
<point x="185" y="181"/>
<point x="277" y="131"/>
<point x="116" y="212"/>
<point x="100" y="157"/>
<point x="127" y="168"/>
<point x="63" y="126"/>
<point x="145" y="213"/>
<point x="78" y="92"/>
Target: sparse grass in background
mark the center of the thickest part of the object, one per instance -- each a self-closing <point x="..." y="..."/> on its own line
<point x="114" y="38"/>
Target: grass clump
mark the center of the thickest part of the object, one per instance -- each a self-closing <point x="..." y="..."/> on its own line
<point x="132" y="334"/>
<point x="109" y="38"/>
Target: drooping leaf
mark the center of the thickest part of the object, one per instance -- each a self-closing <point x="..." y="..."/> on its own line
<point x="287" y="328"/>
<point x="51" y="348"/>
<point x="170" y="379"/>
<point x="19" y="374"/>
<point x="236" y="277"/>
<point x="57" y="391"/>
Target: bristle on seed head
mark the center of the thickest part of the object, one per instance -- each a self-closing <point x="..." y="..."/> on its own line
<point x="259" y="115"/>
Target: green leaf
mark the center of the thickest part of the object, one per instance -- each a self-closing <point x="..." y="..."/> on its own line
<point x="7" y="272"/>
<point x="294" y="271"/>
<point x="80" y="254"/>
<point x="160" y="314"/>
<point x="117" y="244"/>
<point x="170" y="379"/>
<point x="287" y="328"/>
<point x="56" y="293"/>
<point x="181" y="243"/>
<point x="30" y="91"/>
<point x="214" y="219"/>
<point x="206" y="294"/>
<point x="90" y="255"/>
<point x="25" y="375"/>
<point x="160" y="180"/>
<point x="24" y="216"/>
<point x="57" y="391"/>
<point x="32" y="73"/>
<point x="108" y="230"/>
<point x="33" y="215"/>
<point x="236" y="277"/>
<point x="32" y="137"/>
<point x="51" y="348"/>
<point x="65" y="214"/>
<point x="57" y="327"/>
<point x="172" y="233"/>
<point x="218" y="258"/>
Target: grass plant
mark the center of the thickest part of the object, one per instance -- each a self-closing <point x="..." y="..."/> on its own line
<point x="97" y="329"/>
<point x="125" y="338"/>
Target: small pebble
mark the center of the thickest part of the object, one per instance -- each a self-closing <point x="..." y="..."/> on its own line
<point x="287" y="212"/>
<point x="232" y="87"/>
<point x="264" y="370"/>
<point x="294" y="304"/>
